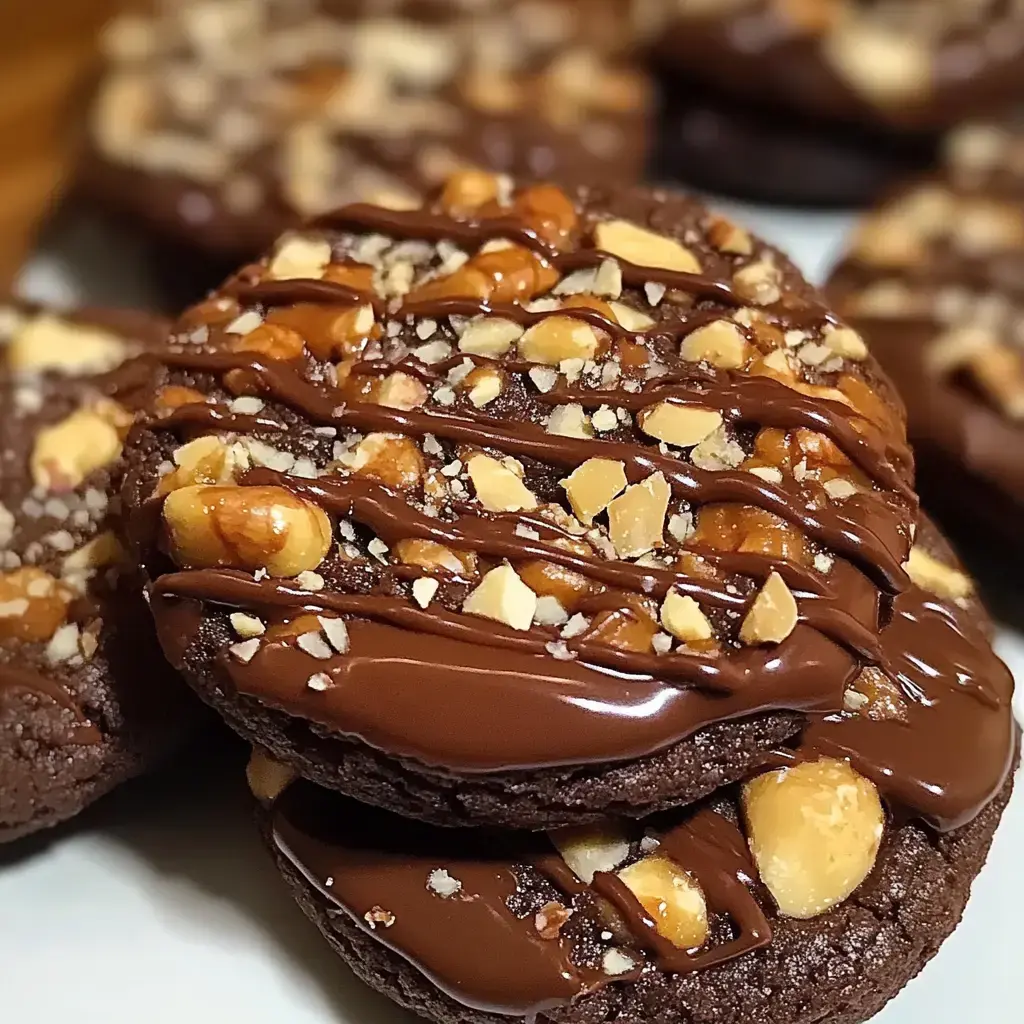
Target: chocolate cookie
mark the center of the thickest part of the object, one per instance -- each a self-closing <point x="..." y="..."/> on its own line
<point x="806" y="893"/>
<point x="934" y="279"/>
<point x="523" y="507"/>
<point x="909" y="66"/>
<point x="222" y="124"/>
<point x="86" y="700"/>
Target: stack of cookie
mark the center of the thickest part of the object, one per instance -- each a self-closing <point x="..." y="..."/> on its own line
<point x="558" y="551"/>
<point x="933" y="278"/>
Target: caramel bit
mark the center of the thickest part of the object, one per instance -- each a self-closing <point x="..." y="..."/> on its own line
<point x="32" y="605"/>
<point x="629" y="628"/>
<point x="430" y="555"/>
<point x="592" y="486"/>
<point x="246" y="528"/>
<point x="772" y="616"/>
<point x="393" y="459"/>
<point x="271" y="340"/>
<point x="749" y="530"/>
<point x="814" y="830"/>
<point x="65" y="454"/>
<point x="466" y="191"/>
<point x="934" y="576"/>
<point x="876" y="696"/>
<point x="547" y="579"/>
<point x="671" y="898"/>
<point x="644" y="248"/>
<point x="329" y="332"/>
<point x="174" y="396"/>
<point x="509" y="273"/>
<point x="548" y="211"/>
<point x="636" y="519"/>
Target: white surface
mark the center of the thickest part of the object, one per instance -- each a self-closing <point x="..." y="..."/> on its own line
<point x="161" y="907"/>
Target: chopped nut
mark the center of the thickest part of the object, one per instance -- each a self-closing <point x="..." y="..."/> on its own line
<point x="637" y="518"/>
<point x="246" y="650"/>
<point x="682" y="617"/>
<point x="681" y="425"/>
<point x="772" y="616"/>
<point x="485" y="388"/>
<point x="206" y="460"/>
<point x="246" y="528"/>
<point x="423" y="590"/>
<point x="468" y="190"/>
<point x="300" y="257"/>
<point x="311" y="581"/>
<point x="32" y="604"/>
<point x="503" y="596"/>
<point x="46" y="342"/>
<point x="66" y="453"/>
<point x="490" y="336"/>
<point x="588" y="849"/>
<point x="378" y="915"/>
<point x="721" y="343"/>
<point x="400" y="391"/>
<point x="932" y="575"/>
<point x="845" y="342"/>
<point x="498" y="488"/>
<point x="630" y="318"/>
<point x="591" y="487"/>
<point x="717" y="452"/>
<point x="644" y="248"/>
<point x="394" y="459"/>
<point x="336" y="631"/>
<point x="268" y="778"/>
<point x="671" y="898"/>
<point x="569" y="421"/>
<point x="814" y="830"/>
<point x="442" y="883"/>
<point x="616" y="962"/>
<point x="428" y="554"/>
<point x="557" y="338"/>
<point x="246" y="626"/>
<point x="728" y="237"/>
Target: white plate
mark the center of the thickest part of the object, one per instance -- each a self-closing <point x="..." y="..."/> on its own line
<point x="161" y="907"/>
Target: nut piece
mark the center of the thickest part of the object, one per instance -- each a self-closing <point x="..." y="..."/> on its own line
<point x="32" y="604"/>
<point x="498" y="487"/>
<point x="556" y="338"/>
<point x="569" y="421"/>
<point x="814" y="830"/>
<point x="66" y="453"/>
<point x="885" y="67"/>
<point x="681" y="425"/>
<point x="300" y="257"/>
<point x="49" y="343"/>
<point x="588" y="849"/>
<point x="845" y="342"/>
<point x="246" y="528"/>
<point x="721" y="343"/>
<point x="393" y="459"/>
<point x="428" y="554"/>
<point x="205" y="460"/>
<point x="636" y="519"/>
<point x="468" y="190"/>
<point x="400" y="391"/>
<point x="268" y="778"/>
<point x="490" y="336"/>
<point x="644" y="248"/>
<point x="682" y="617"/>
<point x="932" y="575"/>
<point x="672" y="899"/>
<point x="759" y="283"/>
<point x="592" y="486"/>
<point x="503" y="596"/>
<point x="772" y="616"/>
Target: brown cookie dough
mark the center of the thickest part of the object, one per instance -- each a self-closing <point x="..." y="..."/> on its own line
<point x="935" y="280"/>
<point x="804" y="893"/>
<point x="910" y="65"/>
<point x="86" y="700"/>
<point x="522" y="506"/>
<point x="221" y="124"/>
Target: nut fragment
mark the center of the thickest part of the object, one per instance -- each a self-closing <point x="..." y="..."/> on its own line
<point x="814" y="830"/>
<point x="845" y="342"/>
<point x="932" y="575"/>
<point x="682" y="617"/>
<point x="205" y="460"/>
<point x="246" y="528"/>
<point x="592" y="486"/>
<point x="46" y="342"/>
<point x="588" y="849"/>
<point x="672" y="899"/>
<point x="66" y="453"/>
<point x="759" y="283"/>
<point x="32" y="604"/>
<point x="300" y="257"/>
<point x="644" y="248"/>
<point x="393" y="459"/>
<point x="468" y="190"/>
<point x="268" y="778"/>
<point x="503" y="596"/>
<point x="721" y="343"/>
<point x="681" y="425"/>
<point x="498" y="487"/>
<point x="772" y="616"/>
<point x="884" y="66"/>
<point x="489" y="336"/>
<point x="428" y="554"/>
<point x="401" y="391"/>
<point x="636" y="519"/>
<point x="557" y="338"/>
<point x="569" y="421"/>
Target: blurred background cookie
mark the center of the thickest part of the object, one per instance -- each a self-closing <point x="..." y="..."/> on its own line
<point x="86" y="700"/>
<point x="222" y="122"/>
<point x="856" y="90"/>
